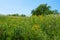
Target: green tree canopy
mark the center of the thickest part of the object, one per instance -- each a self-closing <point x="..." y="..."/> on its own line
<point x="43" y="9"/>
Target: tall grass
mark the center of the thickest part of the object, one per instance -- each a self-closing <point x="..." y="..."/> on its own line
<point x="30" y="28"/>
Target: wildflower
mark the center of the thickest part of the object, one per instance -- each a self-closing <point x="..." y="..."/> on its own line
<point x="35" y="27"/>
<point x="41" y="18"/>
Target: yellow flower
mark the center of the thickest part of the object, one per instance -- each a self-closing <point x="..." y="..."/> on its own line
<point x="41" y="18"/>
<point x="35" y="27"/>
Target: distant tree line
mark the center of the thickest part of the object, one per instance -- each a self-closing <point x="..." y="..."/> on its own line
<point x="17" y="15"/>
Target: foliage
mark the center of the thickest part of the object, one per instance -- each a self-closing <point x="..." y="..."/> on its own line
<point x="23" y="15"/>
<point x="13" y="14"/>
<point x="43" y="9"/>
<point x="31" y="28"/>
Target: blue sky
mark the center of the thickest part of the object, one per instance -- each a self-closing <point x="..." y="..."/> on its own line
<point x="25" y="6"/>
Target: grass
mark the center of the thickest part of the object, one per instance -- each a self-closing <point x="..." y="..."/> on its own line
<point x="30" y="28"/>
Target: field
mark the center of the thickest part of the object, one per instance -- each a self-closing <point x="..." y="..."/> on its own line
<point x="30" y="28"/>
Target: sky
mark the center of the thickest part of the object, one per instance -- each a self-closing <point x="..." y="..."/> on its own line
<point x="25" y="6"/>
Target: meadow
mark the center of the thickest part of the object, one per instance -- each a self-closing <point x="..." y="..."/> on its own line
<point x="30" y="28"/>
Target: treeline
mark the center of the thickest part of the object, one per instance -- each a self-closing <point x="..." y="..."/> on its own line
<point x="17" y="15"/>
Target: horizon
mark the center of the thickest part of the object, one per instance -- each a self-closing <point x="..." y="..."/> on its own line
<point x="25" y="6"/>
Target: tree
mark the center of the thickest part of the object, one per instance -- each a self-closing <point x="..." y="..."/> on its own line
<point x="14" y="14"/>
<point x="43" y="9"/>
<point x="56" y="12"/>
<point x="23" y="15"/>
